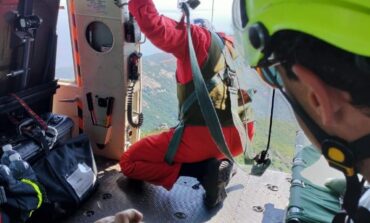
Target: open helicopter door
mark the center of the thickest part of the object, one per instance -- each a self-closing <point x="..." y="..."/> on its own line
<point x="101" y="58"/>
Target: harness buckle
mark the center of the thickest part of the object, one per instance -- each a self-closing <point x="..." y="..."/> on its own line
<point x="229" y="76"/>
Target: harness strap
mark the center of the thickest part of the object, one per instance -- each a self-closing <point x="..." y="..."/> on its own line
<point x="176" y="138"/>
<point x="233" y="92"/>
<point x="192" y="98"/>
<point x="174" y="143"/>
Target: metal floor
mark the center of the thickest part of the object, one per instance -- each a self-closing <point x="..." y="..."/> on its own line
<point x="184" y="203"/>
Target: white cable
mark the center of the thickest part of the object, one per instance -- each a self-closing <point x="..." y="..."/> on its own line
<point x="213" y="9"/>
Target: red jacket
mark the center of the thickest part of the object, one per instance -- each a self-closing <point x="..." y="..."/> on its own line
<point x="171" y="37"/>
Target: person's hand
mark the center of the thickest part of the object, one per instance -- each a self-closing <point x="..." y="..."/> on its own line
<point x="126" y="216"/>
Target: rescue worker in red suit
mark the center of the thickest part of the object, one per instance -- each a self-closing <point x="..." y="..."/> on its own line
<point x="197" y="155"/>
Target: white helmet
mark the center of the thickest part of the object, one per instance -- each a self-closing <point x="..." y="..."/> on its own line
<point x="205" y="23"/>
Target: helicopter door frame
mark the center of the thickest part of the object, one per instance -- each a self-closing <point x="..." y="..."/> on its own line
<point x="97" y="100"/>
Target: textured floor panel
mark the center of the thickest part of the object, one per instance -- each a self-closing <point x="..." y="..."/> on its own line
<point x="184" y="203"/>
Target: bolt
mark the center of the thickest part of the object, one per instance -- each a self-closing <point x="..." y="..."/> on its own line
<point x="258" y="209"/>
<point x="180" y="215"/>
<point x="107" y="196"/>
<point x="89" y="213"/>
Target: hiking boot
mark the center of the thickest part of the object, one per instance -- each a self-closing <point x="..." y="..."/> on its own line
<point x="217" y="176"/>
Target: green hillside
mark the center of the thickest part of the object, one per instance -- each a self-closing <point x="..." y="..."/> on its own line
<point x="160" y="108"/>
<point x="159" y="92"/>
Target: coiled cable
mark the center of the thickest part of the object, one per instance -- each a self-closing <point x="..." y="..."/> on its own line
<point x="130" y="93"/>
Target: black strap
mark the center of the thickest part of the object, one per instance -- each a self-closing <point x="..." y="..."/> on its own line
<point x="354" y="212"/>
<point x="362" y="215"/>
<point x="340" y="218"/>
<point x="352" y="195"/>
<point x="271" y="119"/>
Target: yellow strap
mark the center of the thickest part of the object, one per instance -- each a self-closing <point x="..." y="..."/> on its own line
<point x="37" y="189"/>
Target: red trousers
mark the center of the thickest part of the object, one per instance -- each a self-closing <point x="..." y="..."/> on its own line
<point x="144" y="160"/>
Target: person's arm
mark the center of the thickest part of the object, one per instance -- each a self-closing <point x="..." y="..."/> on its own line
<point x="166" y="33"/>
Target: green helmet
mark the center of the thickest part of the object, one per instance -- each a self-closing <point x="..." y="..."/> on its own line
<point x="342" y="23"/>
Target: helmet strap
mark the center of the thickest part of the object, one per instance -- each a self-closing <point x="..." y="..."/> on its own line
<point x="352" y="195"/>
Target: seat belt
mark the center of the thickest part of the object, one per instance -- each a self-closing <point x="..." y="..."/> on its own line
<point x="204" y="101"/>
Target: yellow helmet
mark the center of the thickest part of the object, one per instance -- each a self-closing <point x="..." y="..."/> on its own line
<point x="342" y="23"/>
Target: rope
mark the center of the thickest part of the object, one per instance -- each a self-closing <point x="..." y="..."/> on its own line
<point x="130" y="93"/>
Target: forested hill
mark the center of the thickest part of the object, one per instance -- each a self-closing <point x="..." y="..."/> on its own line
<point x="159" y="90"/>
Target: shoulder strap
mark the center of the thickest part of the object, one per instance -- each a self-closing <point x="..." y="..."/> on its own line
<point x="225" y="50"/>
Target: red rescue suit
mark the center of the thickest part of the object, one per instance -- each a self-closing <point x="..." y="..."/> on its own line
<point x="144" y="160"/>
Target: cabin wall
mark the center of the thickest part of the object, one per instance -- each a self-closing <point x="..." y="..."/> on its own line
<point x="100" y="56"/>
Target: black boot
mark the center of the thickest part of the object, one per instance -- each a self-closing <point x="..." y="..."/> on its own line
<point x="214" y="182"/>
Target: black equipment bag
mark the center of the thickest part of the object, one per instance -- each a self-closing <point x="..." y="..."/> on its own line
<point x="69" y="175"/>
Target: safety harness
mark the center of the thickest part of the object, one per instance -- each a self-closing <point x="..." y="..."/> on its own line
<point x="211" y="117"/>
